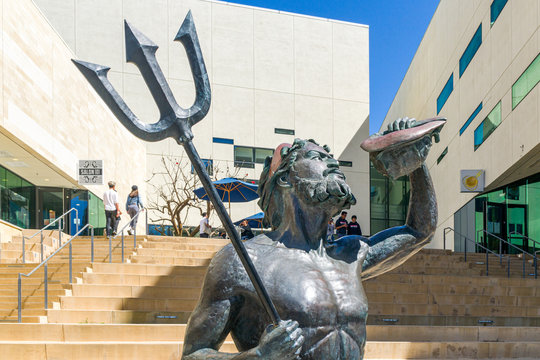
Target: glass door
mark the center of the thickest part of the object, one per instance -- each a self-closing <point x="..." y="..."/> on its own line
<point x="517" y="226"/>
<point x="495" y="225"/>
<point x="50" y="206"/>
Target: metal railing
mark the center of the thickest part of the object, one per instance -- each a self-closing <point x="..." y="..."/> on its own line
<point x="45" y="269"/>
<point x="523" y="252"/>
<point x="60" y="229"/>
<point x="528" y="238"/>
<point x="121" y="233"/>
<point x="488" y="251"/>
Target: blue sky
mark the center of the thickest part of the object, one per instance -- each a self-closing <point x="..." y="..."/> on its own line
<point x="396" y="29"/>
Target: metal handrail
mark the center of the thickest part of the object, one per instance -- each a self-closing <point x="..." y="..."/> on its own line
<point x="44" y="228"/>
<point x="121" y="232"/>
<point x="501" y="240"/>
<point x="44" y="264"/>
<point x="488" y="251"/>
<point x="526" y="237"/>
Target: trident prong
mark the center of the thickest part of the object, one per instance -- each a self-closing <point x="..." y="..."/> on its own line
<point x="174" y="121"/>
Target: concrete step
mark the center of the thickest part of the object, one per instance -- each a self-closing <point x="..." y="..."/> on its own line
<point x="117" y="316"/>
<point x="148" y="269"/>
<point x="188" y="240"/>
<point x="450" y="289"/>
<point x="99" y="350"/>
<point x="182" y="280"/>
<point x="175" y="332"/>
<point x="181" y="246"/>
<point x="116" y="303"/>
<point x="165" y="260"/>
<point x="173" y="350"/>
<point x="142" y="292"/>
<point x="159" y="252"/>
<point x="450" y="349"/>
<point x="451" y="279"/>
<point x="452" y="310"/>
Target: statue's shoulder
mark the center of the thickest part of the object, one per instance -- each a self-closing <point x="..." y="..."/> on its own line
<point x="226" y="261"/>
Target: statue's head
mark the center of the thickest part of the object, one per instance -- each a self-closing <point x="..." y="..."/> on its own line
<point x="306" y="171"/>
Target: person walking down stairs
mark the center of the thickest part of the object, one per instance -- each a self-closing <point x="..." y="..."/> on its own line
<point x="133" y="206"/>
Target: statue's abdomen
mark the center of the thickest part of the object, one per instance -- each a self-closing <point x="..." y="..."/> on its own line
<point x="335" y="345"/>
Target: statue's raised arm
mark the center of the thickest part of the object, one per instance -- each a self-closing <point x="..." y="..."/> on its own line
<point x="399" y="151"/>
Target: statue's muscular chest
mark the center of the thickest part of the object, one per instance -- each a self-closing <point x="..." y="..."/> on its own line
<point x="315" y="289"/>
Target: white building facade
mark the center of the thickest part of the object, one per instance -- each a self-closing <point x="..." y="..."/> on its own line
<point x="274" y="76"/>
<point x="478" y="65"/>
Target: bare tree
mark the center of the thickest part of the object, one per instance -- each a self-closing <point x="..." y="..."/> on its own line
<point x="171" y="194"/>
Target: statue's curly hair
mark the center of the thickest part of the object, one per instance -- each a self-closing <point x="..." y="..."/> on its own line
<point x="268" y="201"/>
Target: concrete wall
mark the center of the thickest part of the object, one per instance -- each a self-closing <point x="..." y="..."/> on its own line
<point x="508" y="47"/>
<point x="268" y="69"/>
<point x="49" y="109"/>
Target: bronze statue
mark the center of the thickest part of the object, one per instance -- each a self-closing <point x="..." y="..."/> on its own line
<point x="315" y="284"/>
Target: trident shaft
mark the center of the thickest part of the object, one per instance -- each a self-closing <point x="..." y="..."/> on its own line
<point x="175" y="121"/>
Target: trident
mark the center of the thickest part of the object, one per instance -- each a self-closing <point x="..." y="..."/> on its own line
<point x="174" y="121"/>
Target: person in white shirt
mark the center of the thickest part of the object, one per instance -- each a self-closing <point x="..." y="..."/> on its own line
<point x="112" y="209"/>
<point x="204" y="226"/>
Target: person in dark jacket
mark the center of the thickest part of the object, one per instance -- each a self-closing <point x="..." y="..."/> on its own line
<point x="341" y="225"/>
<point x="354" y="228"/>
<point x="133" y="206"/>
<point x="246" y="230"/>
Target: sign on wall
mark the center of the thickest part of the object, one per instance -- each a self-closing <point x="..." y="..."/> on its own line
<point x="90" y="172"/>
<point x="472" y="180"/>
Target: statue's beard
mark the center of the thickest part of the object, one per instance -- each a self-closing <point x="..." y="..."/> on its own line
<point x="331" y="191"/>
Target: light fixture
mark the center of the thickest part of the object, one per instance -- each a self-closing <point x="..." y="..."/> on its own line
<point x="46" y="179"/>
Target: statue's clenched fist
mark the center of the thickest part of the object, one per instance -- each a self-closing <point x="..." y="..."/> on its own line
<point x="283" y="342"/>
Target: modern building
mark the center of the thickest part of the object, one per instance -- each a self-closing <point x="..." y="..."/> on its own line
<point x="50" y="119"/>
<point x="274" y="76"/>
<point x="478" y="65"/>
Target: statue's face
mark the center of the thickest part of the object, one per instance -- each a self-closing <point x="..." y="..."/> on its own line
<point x="316" y="176"/>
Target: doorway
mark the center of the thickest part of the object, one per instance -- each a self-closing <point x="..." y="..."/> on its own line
<point x="50" y="206"/>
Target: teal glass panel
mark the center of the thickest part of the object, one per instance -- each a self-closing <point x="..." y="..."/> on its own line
<point x="445" y="93"/>
<point x="471" y="50"/>
<point x="470" y="119"/>
<point x="3" y="194"/>
<point x="96" y="213"/>
<point x="443" y="154"/>
<point x="16" y="199"/>
<point x="496" y="7"/>
<point x="533" y="211"/>
<point x="526" y="82"/>
<point x="486" y="127"/>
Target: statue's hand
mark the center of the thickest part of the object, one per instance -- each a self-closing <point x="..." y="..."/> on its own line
<point x="282" y="342"/>
<point x="400" y="124"/>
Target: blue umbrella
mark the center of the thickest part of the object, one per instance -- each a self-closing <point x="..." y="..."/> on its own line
<point x="231" y="190"/>
<point x="254" y="221"/>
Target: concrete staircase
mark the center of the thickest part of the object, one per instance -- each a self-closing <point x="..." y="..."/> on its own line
<point x="434" y="306"/>
<point x="11" y="252"/>
<point x="58" y="278"/>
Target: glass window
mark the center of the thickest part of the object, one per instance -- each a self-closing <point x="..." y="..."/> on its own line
<point x="262" y="154"/>
<point x="445" y="93"/>
<point x="17" y="199"/>
<point x="443" y="154"/>
<point x="496" y="7"/>
<point x="243" y="153"/>
<point x="284" y="131"/>
<point x="345" y="163"/>
<point x="208" y="164"/>
<point x="471" y="50"/>
<point x="486" y="127"/>
<point x="526" y="82"/>
<point x="470" y="119"/>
